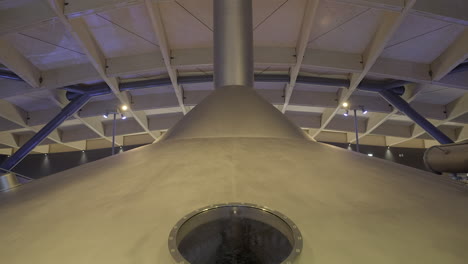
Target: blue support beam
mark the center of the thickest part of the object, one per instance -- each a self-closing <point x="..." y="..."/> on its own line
<point x="404" y="107"/>
<point x="66" y="112"/>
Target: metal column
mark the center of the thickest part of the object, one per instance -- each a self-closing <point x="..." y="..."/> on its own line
<point x="113" y="134"/>
<point x="233" y="43"/>
<point x="356" y="130"/>
<point x="404" y="107"/>
<point x="66" y="112"/>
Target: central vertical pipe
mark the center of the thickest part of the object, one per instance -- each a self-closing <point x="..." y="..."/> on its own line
<point x="233" y="43"/>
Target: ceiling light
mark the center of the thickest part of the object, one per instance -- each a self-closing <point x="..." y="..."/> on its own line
<point x="105" y="115"/>
<point x="346" y="113"/>
<point x="124" y="108"/>
<point x="345" y="104"/>
<point x="124" y="117"/>
<point x="364" y="111"/>
<point x="370" y="155"/>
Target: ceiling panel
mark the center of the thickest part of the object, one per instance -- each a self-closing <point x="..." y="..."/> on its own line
<point x="183" y="29"/>
<point x="48" y="46"/>
<point x="7" y="125"/>
<point x="421" y="39"/>
<point x="280" y="28"/>
<point x="344" y="28"/>
<point x="34" y="101"/>
<point x="123" y="31"/>
<point x="316" y="88"/>
<point x="435" y="94"/>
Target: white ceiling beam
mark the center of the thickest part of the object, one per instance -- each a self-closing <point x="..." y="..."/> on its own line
<point x="6" y="151"/>
<point x="463" y="134"/>
<point x="451" y="58"/>
<point x="80" y="32"/>
<point x="42" y="149"/>
<point x="454" y="110"/>
<point x="158" y="27"/>
<point x="93" y="123"/>
<point x="19" y="64"/>
<point x="70" y="75"/>
<point x="18" y="116"/>
<point x="376" y="119"/>
<point x="301" y="47"/>
<point x="9" y="139"/>
<point x="390" y="23"/>
<point x="191" y="58"/>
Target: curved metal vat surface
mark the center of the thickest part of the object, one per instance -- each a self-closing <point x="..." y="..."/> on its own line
<point x="350" y="208"/>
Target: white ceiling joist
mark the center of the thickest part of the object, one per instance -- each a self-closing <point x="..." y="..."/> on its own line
<point x="316" y="59"/>
<point x="463" y="134"/>
<point x="9" y="139"/>
<point x="18" y="116"/>
<point x="376" y="119"/>
<point x="451" y="58"/>
<point x="301" y="47"/>
<point x="93" y="123"/>
<point x="81" y="34"/>
<point x="454" y="110"/>
<point x="20" y="65"/>
<point x="158" y="27"/>
<point x="390" y="23"/>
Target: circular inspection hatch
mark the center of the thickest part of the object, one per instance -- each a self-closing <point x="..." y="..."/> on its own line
<point x="235" y="233"/>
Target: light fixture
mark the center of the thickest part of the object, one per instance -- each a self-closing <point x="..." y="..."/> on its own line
<point x="364" y="111"/>
<point x="346" y="113"/>
<point x="124" y="107"/>
<point x="370" y="155"/>
<point x="106" y="115"/>
<point x="82" y="151"/>
<point x="123" y="116"/>
<point x="345" y="104"/>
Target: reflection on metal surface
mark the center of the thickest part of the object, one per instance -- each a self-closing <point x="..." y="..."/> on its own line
<point x="8" y="181"/>
<point x="235" y="233"/>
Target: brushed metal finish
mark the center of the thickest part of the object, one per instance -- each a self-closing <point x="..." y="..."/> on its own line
<point x="350" y="208"/>
<point x="234" y="111"/>
<point x="447" y="158"/>
<point x="8" y="181"/>
<point x="233" y="43"/>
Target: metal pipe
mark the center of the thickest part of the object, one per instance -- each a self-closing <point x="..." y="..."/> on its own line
<point x="356" y="130"/>
<point x="10" y="76"/>
<point x="66" y="112"/>
<point x="447" y="158"/>
<point x="460" y="68"/>
<point x="404" y="107"/>
<point x="233" y="43"/>
<point x="113" y="135"/>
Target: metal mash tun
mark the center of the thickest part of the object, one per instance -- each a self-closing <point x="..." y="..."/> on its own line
<point x="236" y="182"/>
